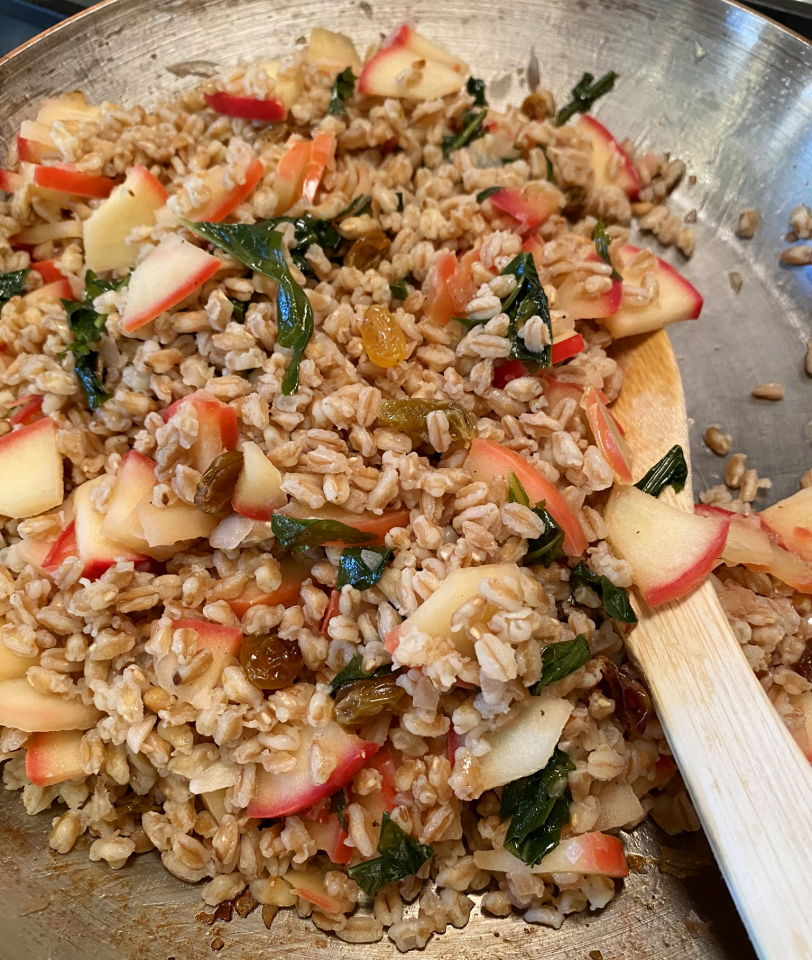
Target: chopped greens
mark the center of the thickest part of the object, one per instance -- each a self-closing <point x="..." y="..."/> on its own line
<point x="398" y="289"/>
<point x="338" y="806"/>
<point x="559" y="660"/>
<point x="12" y="285"/>
<point x="411" y="417"/>
<point x="584" y="94"/>
<point x="472" y="120"/>
<point x="548" y="546"/>
<point x="357" y="208"/>
<point x="343" y="88"/>
<point x="260" y="247"/>
<point x="671" y="470"/>
<point x="549" y="163"/>
<point x="87" y="327"/>
<point x="602" y="247"/>
<point x="483" y="195"/>
<point x="353" y="672"/>
<point x="293" y="532"/>
<point x="239" y="308"/>
<point x="615" y="599"/>
<point x="362" y="567"/>
<point x="526" y="300"/>
<point x="538" y="807"/>
<point x="400" y="856"/>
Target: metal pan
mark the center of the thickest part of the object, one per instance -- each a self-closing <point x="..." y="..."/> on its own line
<point x="726" y="90"/>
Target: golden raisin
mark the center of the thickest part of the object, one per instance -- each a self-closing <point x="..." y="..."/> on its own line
<point x="216" y="487"/>
<point x="356" y="702"/>
<point x="384" y="341"/>
<point x="270" y="663"/>
<point x="368" y="251"/>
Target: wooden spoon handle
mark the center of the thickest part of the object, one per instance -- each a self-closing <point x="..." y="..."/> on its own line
<point x="750" y="783"/>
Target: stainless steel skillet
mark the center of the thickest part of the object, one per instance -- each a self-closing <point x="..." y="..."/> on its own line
<point x="725" y="90"/>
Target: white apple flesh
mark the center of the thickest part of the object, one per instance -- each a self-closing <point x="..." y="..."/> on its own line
<point x="31" y="468"/>
<point x="96" y="551"/>
<point x="12" y="665"/>
<point x="588" y="853"/>
<point x="54" y="757"/>
<point x="791" y="520"/>
<point x="398" y="71"/>
<point x="23" y="707"/>
<point x="259" y="486"/>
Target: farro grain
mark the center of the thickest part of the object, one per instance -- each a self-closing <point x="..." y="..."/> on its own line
<point x="768" y="391"/>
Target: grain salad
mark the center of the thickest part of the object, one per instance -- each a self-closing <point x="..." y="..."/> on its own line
<point x="314" y="556"/>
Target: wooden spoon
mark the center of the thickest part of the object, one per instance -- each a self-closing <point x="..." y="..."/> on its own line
<point x="750" y="783"/>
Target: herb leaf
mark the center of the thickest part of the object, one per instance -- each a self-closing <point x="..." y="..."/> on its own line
<point x="527" y="300"/>
<point x="353" y="672"/>
<point x="548" y="546"/>
<point x="471" y="120"/>
<point x="516" y="492"/>
<point x="559" y="660"/>
<point x="483" y="195"/>
<point x="293" y="532"/>
<point x="12" y="285"/>
<point x="584" y="94"/>
<point x="338" y="806"/>
<point x="476" y="88"/>
<point x="400" y="856"/>
<point x="550" y="171"/>
<point x="343" y="89"/>
<point x="602" y="247"/>
<point x="410" y="416"/>
<point x="260" y="247"/>
<point x="362" y="567"/>
<point x="671" y="470"/>
<point x="398" y="289"/>
<point x="615" y="599"/>
<point x="538" y="806"/>
<point x="238" y="313"/>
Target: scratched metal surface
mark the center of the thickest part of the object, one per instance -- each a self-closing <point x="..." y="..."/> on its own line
<point x="726" y="90"/>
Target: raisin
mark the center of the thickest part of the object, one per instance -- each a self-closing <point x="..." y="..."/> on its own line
<point x="356" y="702"/>
<point x="270" y="663"/>
<point x="383" y="339"/>
<point x="216" y="487"/>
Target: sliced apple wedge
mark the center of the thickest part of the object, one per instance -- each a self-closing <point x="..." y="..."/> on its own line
<point x="264" y="109"/>
<point x="607" y="436"/>
<point x="97" y="551"/>
<point x="441" y="304"/>
<point x="589" y="853"/>
<point x="488" y="461"/>
<point x="310" y="884"/>
<point x="65" y="178"/>
<point x="49" y="270"/>
<point x="63" y="547"/>
<point x="216" y="427"/>
<point x="282" y="794"/>
<point x="574" y="299"/>
<point x="530" y="207"/>
<point x="222" y="642"/>
<point x="21" y="706"/>
<point x="331" y="837"/>
<point x="675" y="300"/>
<point x="9" y="181"/>
<point x="50" y="293"/>
<point x="31" y="467"/>
<point x="287" y="593"/>
<point x="376" y="524"/>
<point x="54" y="757"/>
<point x="406" y="36"/>
<point x="611" y="165"/>
<point x="619" y="807"/>
<point x="225" y="196"/>
<point x="173" y="526"/>
<point x="68" y="107"/>
<point x="134" y="485"/>
<point x="747" y="542"/>
<point x="172" y="271"/>
<point x="134" y="203"/>
<point x="259" y="487"/>
<point x="521" y="746"/>
<point x="12" y="665"/>
<point x="791" y="520"/>
<point x="670" y="551"/>
<point x="435" y="613"/>
<point x="397" y="71"/>
<point x="331" y="52"/>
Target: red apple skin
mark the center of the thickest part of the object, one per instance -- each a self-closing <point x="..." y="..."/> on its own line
<point x="31" y="151"/>
<point x="221" y="207"/>
<point x="48" y="270"/>
<point x="331" y="611"/>
<point x="50" y="292"/>
<point x="607" y="437"/>
<point x="215" y="636"/>
<point x="287" y="593"/>
<point x="63" y="547"/>
<point x="9" y="181"/>
<point x="628" y="179"/>
<point x="65" y="178"/>
<point x="566" y="349"/>
<point x="308" y="883"/>
<point x="331" y="837"/>
<point x="440" y="306"/>
<point x="248" y="108"/>
<point x="529" y="207"/>
<point x="27" y="410"/>
<point x="690" y="578"/>
<point x="54" y="757"/>
<point x="321" y="154"/>
<point x="597" y="853"/>
<point x="487" y="460"/>
<point x="217" y="426"/>
<point x="385" y="765"/>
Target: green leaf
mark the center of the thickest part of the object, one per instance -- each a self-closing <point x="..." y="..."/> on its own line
<point x="483" y="195"/>
<point x="602" y="247"/>
<point x="398" y="289"/>
<point x="538" y="808"/>
<point x="516" y="492"/>
<point x="238" y="313"/>
<point x="559" y="660"/>
<point x="550" y="171"/>
<point x="615" y="599"/>
<point x="356" y="208"/>
<point x="476" y="88"/>
<point x="293" y="532"/>
<point x="399" y="195"/>
<point x="584" y="94"/>
<point x="526" y="300"/>
<point x="548" y="547"/>
<point x="362" y="567"/>
<point x="353" y="672"/>
<point x="671" y="470"/>
<point x="472" y="129"/>
<point x="12" y="285"/>
<point x="343" y="89"/>
<point x="260" y="247"/>
<point x="95" y="286"/>
<point x="338" y="806"/>
<point x="410" y="416"/>
<point x="400" y="856"/>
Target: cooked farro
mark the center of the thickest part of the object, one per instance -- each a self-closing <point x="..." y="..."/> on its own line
<point x="172" y="672"/>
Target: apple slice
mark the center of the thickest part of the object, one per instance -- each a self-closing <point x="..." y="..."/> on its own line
<point x="397" y="71"/>
<point x="608" y="438"/>
<point x="489" y="461"/>
<point x="172" y="271"/>
<point x="12" y="665"/>
<point x="406" y="36"/>
<point x="173" y="526"/>
<point x="223" y="643"/>
<point x="290" y="173"/>
<point x="26" y="410"/>
<point x="63" y="547"/>
<point x="435" y="613"/>
<point x="578" y="304"/>
<point x="50" y="293"/>
<point x="259" y="487"/>
<point x="31" y="467"/>
<point x="331" y="837"/>
<point x="377" y="525"/>
<point x="65" y="178"/>
<point x="322" y="151"/>
<point x="134" y="485"/>
<point x="68" y="107"/>
<point x="282" y="794"/>
<point x="134" y="203"/>
<point x="588" y="853"/>
<point x="747" y="543"/>
<point x="54" y="757"/>
<point x="675" y="300"/>
<point x="611" y="165"/>
<point x="309" y="884"/>
<point x="97" y="552"/>
<point x="34" y="143"/>
<point x="216" y="427"/>
<point x="440" y="304"/>
<point x="530" y="207"/>
<point x="791" y="520"/>
<point x="266" y="110"/>
<point x="21" y="706"/>
<point x="9" y="181"/>
<point x="670" y="551"/>
<point x="619" y="807"/>
<point x="791" y="569"/>
<point x="287" y="593"/>
<point x="49" y="270"/>
<point x="43" y="232"/>
<point x="521" y="746"/>
<point x="226" y="197"/>
<point x="331" y="52"/>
